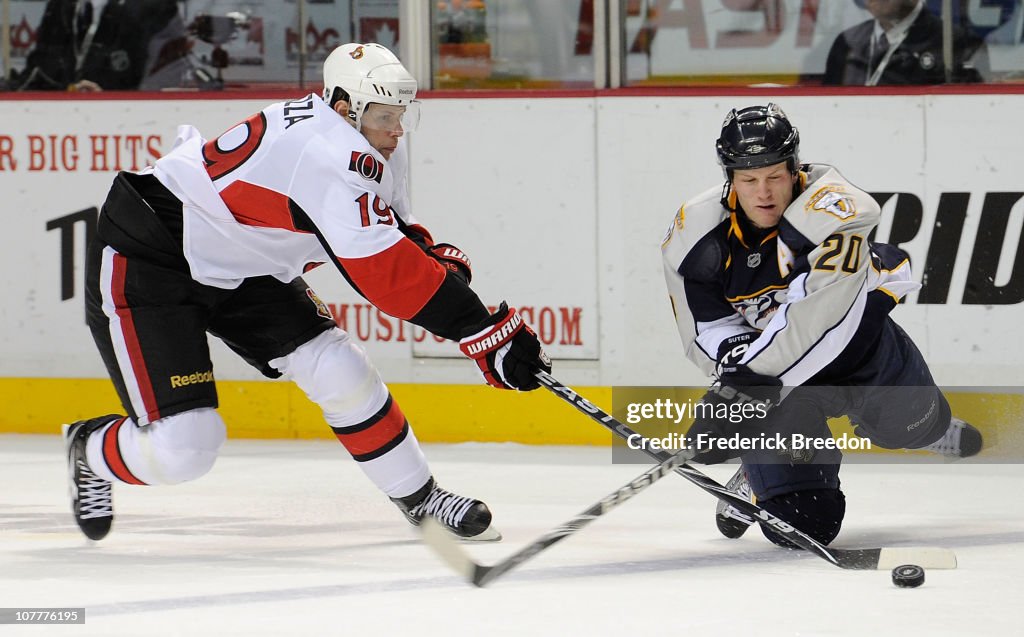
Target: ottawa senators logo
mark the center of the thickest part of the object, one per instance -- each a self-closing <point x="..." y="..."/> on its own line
<point x="366" y="166"/>
<point x="321" y="307"/>
<point x="357" y="53"/>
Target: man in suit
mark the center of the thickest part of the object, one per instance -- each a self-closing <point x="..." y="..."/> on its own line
<point x="902" y="44"/>
<point x="93" y="45"/>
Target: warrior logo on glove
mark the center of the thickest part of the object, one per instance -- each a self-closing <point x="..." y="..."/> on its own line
<point x="501" y="333"/>
<point x="506" y="350"/>
<point x="453" y="259"/>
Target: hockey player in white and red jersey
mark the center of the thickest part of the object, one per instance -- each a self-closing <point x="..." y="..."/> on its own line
<point x="215" y="237"/>
<point x="781" y="296"/>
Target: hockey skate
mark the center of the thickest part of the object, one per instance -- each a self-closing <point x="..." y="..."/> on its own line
<point x="91" y="501"/>
<point x="466" y="518"/>
<point x="731" y="522"/>
<point x="961" y="440"/>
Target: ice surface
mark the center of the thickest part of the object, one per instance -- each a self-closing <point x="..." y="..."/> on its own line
<point x="289" y="538"/>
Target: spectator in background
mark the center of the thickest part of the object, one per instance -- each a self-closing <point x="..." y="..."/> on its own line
<point x="94" y="45"/>
<point x="902" y="44"/>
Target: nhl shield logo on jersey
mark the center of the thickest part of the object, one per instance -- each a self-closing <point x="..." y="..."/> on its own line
<point x="753" y="260"/>
<point x="366" y="166"/>
<point x="833" y="199"/>
<point x="321" y="307"/>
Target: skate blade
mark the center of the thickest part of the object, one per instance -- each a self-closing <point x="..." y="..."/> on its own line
<point x="490" y="534"/>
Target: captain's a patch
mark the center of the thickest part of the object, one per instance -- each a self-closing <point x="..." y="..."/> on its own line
<point x="832" y="199"/>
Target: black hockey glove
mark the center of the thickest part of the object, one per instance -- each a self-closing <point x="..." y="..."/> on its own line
<point x="453" y="259"/>
<point x="732" y="349"/>
<point x="416" y="233"/>
<point x="506" y="350"/>
<point x="736" y="407"/>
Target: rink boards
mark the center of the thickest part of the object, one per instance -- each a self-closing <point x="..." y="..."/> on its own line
<point x="561" y="201"/>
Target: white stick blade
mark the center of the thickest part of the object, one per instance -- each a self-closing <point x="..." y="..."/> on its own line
<point x="447" y="548"/>
<point x="923" y="556"/>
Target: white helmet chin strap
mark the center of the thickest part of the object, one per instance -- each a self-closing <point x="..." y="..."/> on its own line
<point x="351" y="116"/>
<point x="354" y="118"/>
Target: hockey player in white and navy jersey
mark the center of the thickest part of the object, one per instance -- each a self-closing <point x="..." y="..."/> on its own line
<point x="215" y="237"/>
<point x="781" y="296"/>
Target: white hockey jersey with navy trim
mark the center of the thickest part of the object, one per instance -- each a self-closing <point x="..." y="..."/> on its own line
<point x="802" y="288"/>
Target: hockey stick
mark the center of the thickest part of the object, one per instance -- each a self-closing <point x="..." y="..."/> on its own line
<point x="448" y="548"/>
<point x="857" y="559"/>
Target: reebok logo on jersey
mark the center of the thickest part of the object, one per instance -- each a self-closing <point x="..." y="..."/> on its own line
<point x="366" y="166"/>
<point x="192" y="379"/>
<point x="834" y="200"/>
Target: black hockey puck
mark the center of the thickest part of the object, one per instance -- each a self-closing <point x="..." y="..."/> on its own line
<point x="908" y="576"/>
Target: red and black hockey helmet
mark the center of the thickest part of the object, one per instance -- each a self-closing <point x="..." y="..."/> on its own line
<point x="757" y="136"/>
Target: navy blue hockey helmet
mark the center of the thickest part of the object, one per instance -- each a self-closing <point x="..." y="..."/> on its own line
<point x="755" y="137"/>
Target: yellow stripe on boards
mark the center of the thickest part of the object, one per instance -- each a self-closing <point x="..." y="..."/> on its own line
<point x="437" y="413"/>
<point x="267" y="409"/>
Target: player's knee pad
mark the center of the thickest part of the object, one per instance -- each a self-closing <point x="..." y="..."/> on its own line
<point x="336" y="374"/>
<point x="817" y="512"/>
<point x="181" y="447"/>
<point x="770" y="480"/>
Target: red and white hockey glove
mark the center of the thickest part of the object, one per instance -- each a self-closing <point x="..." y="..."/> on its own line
<point x="453" y="259"/>
<point x="506" y="350"/>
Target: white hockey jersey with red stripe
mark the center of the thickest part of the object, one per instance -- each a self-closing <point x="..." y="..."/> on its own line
<point x="291" y="187"/>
